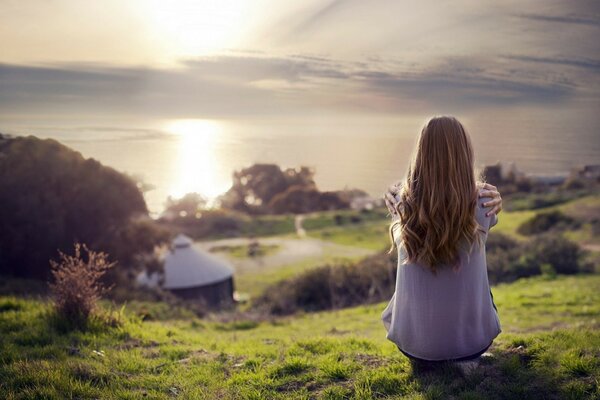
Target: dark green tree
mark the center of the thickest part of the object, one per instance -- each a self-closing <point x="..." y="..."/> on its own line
<point x="52" y="197"/>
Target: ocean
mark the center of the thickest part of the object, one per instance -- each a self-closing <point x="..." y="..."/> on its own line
<point x="196" y="155"/>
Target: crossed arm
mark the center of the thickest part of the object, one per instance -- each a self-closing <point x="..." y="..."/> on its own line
<point x="488" y="191"/>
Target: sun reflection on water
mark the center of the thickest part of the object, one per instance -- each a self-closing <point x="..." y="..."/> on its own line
<point x="198" y="167"/>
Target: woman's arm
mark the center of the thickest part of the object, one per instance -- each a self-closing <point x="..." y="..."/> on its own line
<point x="391" y="199"/>
<point x="495" y="202"/>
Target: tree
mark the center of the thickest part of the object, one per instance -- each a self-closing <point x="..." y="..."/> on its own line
<point x="188" y="205"/>
<point x="254" y="187"/>
<point x="51" y="197"/>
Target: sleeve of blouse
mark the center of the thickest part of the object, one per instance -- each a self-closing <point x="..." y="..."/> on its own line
<point x="493" y="220"/>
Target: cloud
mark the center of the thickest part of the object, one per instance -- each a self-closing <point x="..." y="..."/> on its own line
<point x="563" y="19"/>
<point x="250" y="84"/>
<point x="586" y="63"/>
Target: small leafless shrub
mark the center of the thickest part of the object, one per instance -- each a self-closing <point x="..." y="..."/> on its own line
<point x="77" y="287"/>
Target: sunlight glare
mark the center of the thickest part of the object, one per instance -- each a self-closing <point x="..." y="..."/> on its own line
<point x="197" y="163"/>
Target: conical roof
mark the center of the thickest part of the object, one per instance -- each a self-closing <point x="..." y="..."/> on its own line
<point x="187" y="266"/>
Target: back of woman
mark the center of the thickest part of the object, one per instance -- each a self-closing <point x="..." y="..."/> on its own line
<point x="442" y="308"/>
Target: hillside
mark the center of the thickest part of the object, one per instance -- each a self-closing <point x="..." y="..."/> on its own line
<point x="548" y="349"/>
<point x="370" y="235"/>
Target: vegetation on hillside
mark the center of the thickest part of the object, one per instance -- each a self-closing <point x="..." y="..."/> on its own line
<point x="52" y="196"/>
<point x="267" y="189"/>
<point x="332" y="286"/>
<point x="548" y="349"/>
<point x="372" y="279"/>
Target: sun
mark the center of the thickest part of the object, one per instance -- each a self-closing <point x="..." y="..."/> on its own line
<point x="196" y="27"/>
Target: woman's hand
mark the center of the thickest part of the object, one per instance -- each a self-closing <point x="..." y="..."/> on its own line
<point x="390" y="198"/>
<point x="496" y="201"/>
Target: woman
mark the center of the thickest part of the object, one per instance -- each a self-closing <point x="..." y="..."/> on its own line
<point x="442" y="308"/>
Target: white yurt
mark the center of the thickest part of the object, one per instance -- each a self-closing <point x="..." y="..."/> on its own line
<point x="192" y="273"/>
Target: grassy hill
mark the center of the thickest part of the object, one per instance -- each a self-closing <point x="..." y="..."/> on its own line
<point x="549" y="349"/>
<point x="371" y="233"/>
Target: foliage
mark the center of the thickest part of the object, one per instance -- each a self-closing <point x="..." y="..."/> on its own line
<point x="543" y="222"/>
<point x="134" y="244"/>
<point x="299" y="199"/>
<point x="76" y="287"/>
<point x="51" y="197"/>
<point x="508" y="259"/>
<point x="372" y="279"/>
<point x="533" y="201"/>
<point x="266" y="188"/>
<point x="209" y="223"/>
<point x="190" y="204"/>
<point x="332" y="286"/>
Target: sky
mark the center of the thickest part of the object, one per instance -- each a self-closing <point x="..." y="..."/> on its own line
<point x="288" y="60"/>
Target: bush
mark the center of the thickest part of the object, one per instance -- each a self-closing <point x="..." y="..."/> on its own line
<point x="77" y="288"/>
<point x="562" y="254"/>
<point x="373" y="278"/>
<point x="502" y="254"/>
<point x="544" y="222"/>
<point x="508" y="260"/>
<point x="332" y="286"/>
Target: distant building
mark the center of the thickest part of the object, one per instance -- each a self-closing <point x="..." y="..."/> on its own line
<point x="365" y="203"/>
<point x="587" y="172"/>
<point x="192" y="273"/>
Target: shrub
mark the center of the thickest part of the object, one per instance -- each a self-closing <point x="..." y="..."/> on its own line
<point x="332" y="286"/>
<point x="562" y="254"/>
<point x="502" y="254"/>
<point x="77" y="288"/>
<point x="544" y="222"/>
<point x="508" y="260"/>
<point x="373" y="278"/>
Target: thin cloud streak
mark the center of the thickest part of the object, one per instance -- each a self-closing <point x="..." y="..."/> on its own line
<point x="563" y="19"/>
<point x="591" y="64"/>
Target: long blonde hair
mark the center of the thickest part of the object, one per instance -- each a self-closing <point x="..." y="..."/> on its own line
<point x="438" y="197"/>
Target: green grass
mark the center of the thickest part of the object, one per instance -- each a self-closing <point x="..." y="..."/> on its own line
<point x="372" y="234"/>
<point x="530" y="201"/>
<point x="548" y="350"/>
<point x="241" y="251"/>
<point x="584" y="208"/>
<point x="368" y="235"/>
<point x="268" y="225"/>
<point x="325" y="219"/>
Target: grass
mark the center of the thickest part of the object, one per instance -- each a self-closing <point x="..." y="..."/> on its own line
<point x="548" y="350"/>
<point x="372" y="234"/>
<point x="241" y="251"/>
<point x="368" y="235"/>
<point x="531" y="201"/>
<point x="255" y="283"/>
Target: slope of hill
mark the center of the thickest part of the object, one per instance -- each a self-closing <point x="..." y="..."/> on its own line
<point x="549" y="349"/>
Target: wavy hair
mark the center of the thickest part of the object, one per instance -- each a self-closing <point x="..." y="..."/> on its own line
<point x="438" y="197"/>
